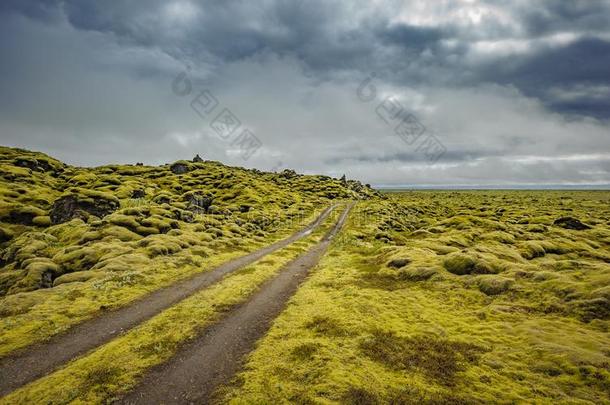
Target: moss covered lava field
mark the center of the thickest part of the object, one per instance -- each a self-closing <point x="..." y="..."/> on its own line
<point x="422" y="297"/>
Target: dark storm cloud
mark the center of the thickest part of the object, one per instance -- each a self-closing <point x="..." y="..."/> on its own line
<point x="45" y="10"/>
<point x="493" y="79"/>
<point x="546" y="74"/>
<point x="559" y="15"/>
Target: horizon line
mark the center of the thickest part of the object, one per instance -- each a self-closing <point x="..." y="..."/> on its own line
<point x="529" y="186"/>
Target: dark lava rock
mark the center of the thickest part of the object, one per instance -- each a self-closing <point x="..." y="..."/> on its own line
<point x="71" y="206"/>
<point x="398" y="263"/>
<point x="197" y="159"/>
<point x="186" y="216"/>
<point x="31" y="164"/>
<point x="571" y="223"/>
<point x="37" y="165"/>
<point x="179" y="168"/>
<point x="5" y="235"/>
<point x="244" y="208"/>
<point x="46" y="279"/>
<point x="162" y="199"/>
<point x="138" y="194"/>
<point x="23" y="218"/>
<point x="199" y="202"/>
<point x="288" y="174"/>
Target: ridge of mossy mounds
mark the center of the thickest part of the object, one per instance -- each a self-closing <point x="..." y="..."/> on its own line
<point x="56" y="219"/>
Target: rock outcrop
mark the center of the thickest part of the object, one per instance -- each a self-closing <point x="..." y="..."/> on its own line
<point x="73" y="206"/>
<point x="571" y="223"/>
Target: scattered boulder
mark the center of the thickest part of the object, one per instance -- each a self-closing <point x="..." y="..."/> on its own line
<point x="199" y="202"/>
<point x="244" y="208"/>
<point x="5" y="235"/>
<point x="571" y="223"/>
<point x="139" y="164"/>
<point x="186" y="216"/>
<point x="138" y="193"/>
<point x="179" y="168"/>
<point x="288" y="174"/>
<point x="73" y="206"/>
<point x="20" y="214"/>
<point x="398" y="263"/>
<point x="213" y="209"/>
<point x="37" y="165"/>
<point x="162" y="198"/>
<point x="354" y="185"/>
<point x="197" y="159"/>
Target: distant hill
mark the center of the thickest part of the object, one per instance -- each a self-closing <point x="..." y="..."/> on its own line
<point x="60" y="223"/>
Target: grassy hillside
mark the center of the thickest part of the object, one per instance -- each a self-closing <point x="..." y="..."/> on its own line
<point x="75" y="240"/>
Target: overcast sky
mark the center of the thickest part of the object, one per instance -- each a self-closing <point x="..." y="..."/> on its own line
<point x="388" y="92"/>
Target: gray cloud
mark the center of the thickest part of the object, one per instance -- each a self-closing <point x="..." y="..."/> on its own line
<point x="515" y="94"/>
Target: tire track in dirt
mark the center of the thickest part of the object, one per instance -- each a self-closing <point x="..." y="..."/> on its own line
<point x="200" y="366"/>
<point x="35" y="361"/>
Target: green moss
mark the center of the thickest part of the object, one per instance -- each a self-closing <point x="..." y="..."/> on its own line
<point x="79" y="276"/>
<point x="39" y="273"/>
<point x="42" y="221"/>
<point x="77" y="258"/>
<point x="493" y="285"/>
<point x="20" y="214"/>
<point x="460" y="264"/>
<point x="123" y="220"/>
<point x="19" y="303"/>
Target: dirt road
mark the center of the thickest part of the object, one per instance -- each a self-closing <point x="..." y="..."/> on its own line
<point x="212" y="359"/>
